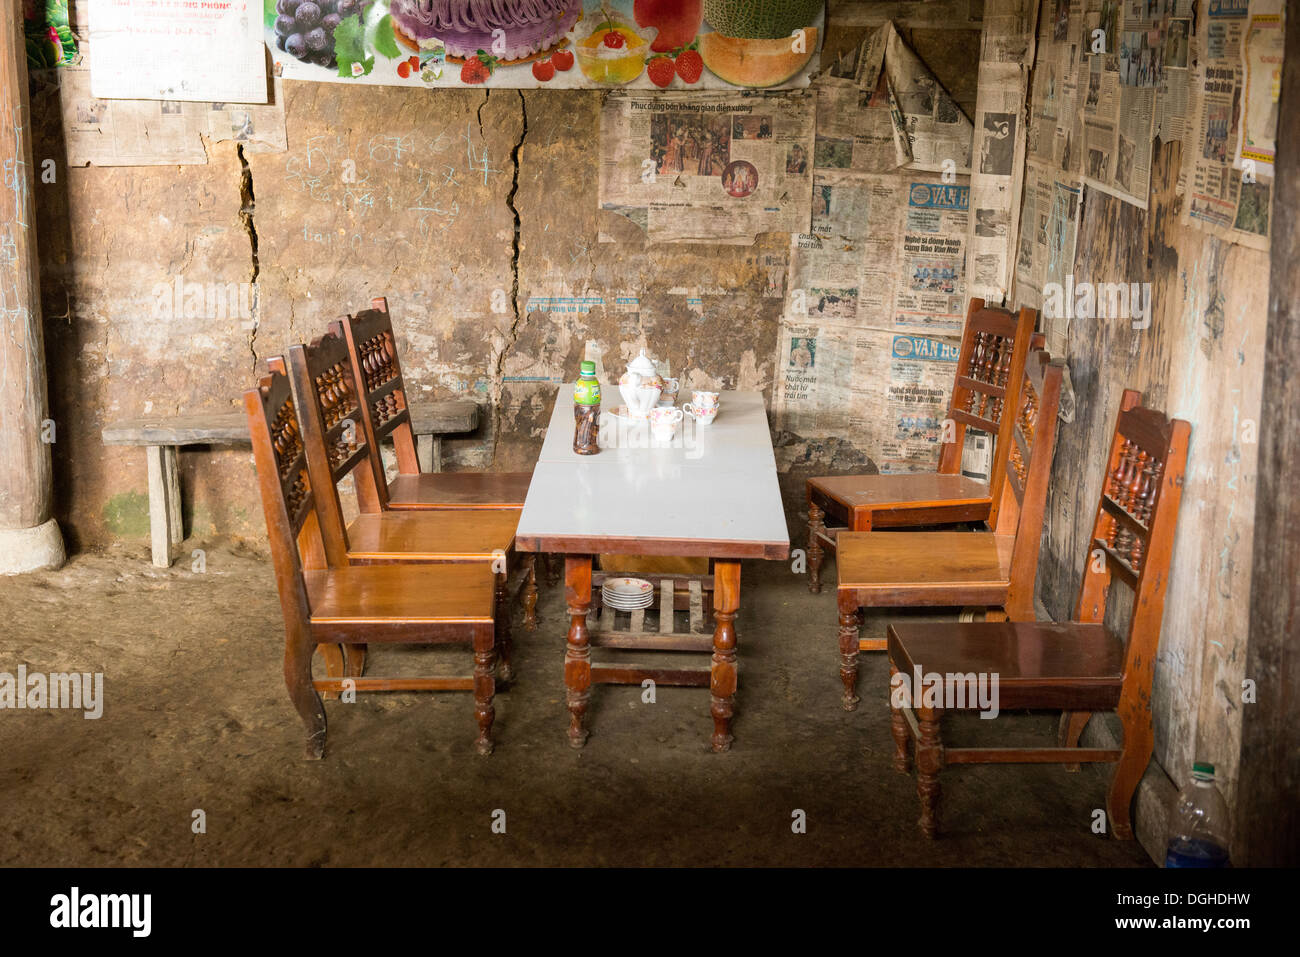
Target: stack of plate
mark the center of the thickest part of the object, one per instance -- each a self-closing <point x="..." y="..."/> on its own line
<point x="627" y="594"/>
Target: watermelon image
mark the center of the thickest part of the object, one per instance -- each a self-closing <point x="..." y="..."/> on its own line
<point x="760" y="19"/>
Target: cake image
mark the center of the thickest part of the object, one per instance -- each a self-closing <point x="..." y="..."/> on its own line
<point x="464" y="27"/>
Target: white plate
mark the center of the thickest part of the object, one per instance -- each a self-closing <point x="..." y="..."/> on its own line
<point x="628" y="588"/>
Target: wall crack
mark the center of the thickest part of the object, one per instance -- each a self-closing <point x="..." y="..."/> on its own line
<point x="520" y="316"/>
<point x="246" y="208"/>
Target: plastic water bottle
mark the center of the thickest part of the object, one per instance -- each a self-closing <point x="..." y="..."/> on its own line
<point x="586" y="411"/>
<point x="1199" y="827"/>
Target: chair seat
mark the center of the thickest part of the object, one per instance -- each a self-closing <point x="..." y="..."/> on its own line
<point x="910" y="499"/>
<point x="1071" y="666"/>
<point x="380" y="594"/>
<point x="442" y="535"/>
<point x="925" y="568"/>
<point x="429" y="490"/>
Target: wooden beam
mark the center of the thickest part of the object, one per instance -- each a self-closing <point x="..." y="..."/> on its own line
<point x="29" y="536"/>
<point x="1267" y="813"/>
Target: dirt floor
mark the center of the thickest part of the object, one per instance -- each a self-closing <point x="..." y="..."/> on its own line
<point x="196" y="717"/>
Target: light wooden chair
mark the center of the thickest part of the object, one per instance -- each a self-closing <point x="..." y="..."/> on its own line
<point x="327" y="603"/>
<point x="994" y="569"/>
<point x="990" y="364"/>
<point x="329" y="407"/>
<point x="1080" y="666"/>
<point x="372" y="349"/>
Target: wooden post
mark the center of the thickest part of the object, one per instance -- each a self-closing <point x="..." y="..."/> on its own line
<point x="29" y="537"/>
<point x="1267" y="815"/>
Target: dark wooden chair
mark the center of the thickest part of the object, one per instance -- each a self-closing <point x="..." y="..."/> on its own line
<point x="994" y="569"/>
<point x="327" y="603"/>
<point x="1079" y="667"/>
<point x="990" y="364"/>
<point x="336" y="446"/>
<point x="372" y="348"/>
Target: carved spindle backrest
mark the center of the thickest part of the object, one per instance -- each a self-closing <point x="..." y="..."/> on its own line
<point x="1133" y="535"/>
<point x="372" y="345"/>
<point x="1021" y="497"/>
<point x="990" y="365"/>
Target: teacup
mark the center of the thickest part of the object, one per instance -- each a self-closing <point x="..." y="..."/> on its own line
<point x="664" y="423"/>
<point x="668" y="397"/>
<point x="703" y="406"/>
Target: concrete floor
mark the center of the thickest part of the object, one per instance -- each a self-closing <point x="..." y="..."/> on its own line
<point x="196" y="717"/>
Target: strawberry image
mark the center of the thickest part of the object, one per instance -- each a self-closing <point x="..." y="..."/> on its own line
<point x="544" y="70"/>
<point x="660" y="70"/>
<point x="690" y="65"/>
<point x="562" y="59"/>
<point x="478" y="68"/>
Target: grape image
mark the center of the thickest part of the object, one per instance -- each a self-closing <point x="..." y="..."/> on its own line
<point x="304" y="29"/>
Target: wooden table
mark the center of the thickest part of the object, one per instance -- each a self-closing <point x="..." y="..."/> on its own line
<point x="713" y="493"/>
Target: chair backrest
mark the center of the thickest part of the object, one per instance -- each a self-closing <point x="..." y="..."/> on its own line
<point x="372" y="348"/>
<point x="331" y="415"/>
<point x="994" y="346"/>
<point x="1133" y="534"/>
<point x="286" y="489"/>
<point x="1020" y="495"/>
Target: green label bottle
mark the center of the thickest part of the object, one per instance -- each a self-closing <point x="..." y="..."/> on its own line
<point x="586" y="411"/>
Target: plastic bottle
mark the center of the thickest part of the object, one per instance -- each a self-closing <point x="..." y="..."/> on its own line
<point x="586" y="411"/>
<point x="1199" y="826"/>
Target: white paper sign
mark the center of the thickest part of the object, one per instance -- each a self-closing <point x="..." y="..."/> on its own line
<point x="210" y="50"/>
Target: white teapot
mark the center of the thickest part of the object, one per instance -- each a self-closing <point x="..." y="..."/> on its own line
<point x="641" y="386"/>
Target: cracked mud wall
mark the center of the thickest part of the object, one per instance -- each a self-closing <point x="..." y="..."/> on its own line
<point x="459" y="206"/>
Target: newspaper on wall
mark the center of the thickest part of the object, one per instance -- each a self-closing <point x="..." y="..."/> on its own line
<point x="930" y="130"/>
<point x="178" y="50"/>
<point x="888" y="390"/>
<point x="102" y="132"/>
<point x="1223" y="199"/>
<point x="1049" y="231"/>
<point x="930" y="270"/>
<point x="855" y="127"/>
<point x="995" y="179"/>
<point x="1055" y="134"/>
<point x="705" y="167"/>
<point x="1261" y="68"/>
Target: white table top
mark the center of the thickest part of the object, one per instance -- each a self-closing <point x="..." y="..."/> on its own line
<point x="713" y="491"/>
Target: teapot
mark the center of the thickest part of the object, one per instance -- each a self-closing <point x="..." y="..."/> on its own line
<point x="641" y="386"/>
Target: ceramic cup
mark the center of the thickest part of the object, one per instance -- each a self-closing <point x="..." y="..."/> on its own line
<point x="703" y="406"/>
<point x="668" y="397"/>
<point x="664" y="423"/>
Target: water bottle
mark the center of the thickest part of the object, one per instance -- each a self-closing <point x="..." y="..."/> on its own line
<point x="586" y="411"/>
<point x="1199" y="828"/>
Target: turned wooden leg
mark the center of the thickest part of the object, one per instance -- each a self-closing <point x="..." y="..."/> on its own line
<point x="297" y="678"/>
<point x="849" y="626"/>
<point x="929" y="762"/>
<point x="354" y="660"/>
<point x="1071" y="728"/>
<point x="898" y="728"/>
<point x="504" y="641"/>
<point x="577" y="652"/>
<point x="530" y="592"/>
<point x="485" y="659"/>
<point x="332" y="655"/>
<point x="815" y="529"/>
<point x="1132" y="764"/>
<point x="553" y="564"/>
<point x="722" y="677"/>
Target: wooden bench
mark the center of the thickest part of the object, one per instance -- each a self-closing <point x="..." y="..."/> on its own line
<point x="163" y="435"/>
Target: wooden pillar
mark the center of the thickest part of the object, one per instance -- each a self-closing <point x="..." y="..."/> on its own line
<point x="1267" y="812"/>
<point x="29" y="537"/>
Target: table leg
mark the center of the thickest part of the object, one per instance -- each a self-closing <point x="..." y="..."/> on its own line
<point x="722" y="679"/>
<point x="577" y="652"/>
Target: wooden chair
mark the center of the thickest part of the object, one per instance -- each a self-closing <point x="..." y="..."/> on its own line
<point x="994" y="569"/>
<point x="994" y="345"/>
<point x="1080" y="666"/>
<point x="327" y="603"/>
<point x="372" y="349"/>
<point x="336" y="446"/>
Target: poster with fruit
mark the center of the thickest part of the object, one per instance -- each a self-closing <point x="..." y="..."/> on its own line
<point x="566" y="44"/>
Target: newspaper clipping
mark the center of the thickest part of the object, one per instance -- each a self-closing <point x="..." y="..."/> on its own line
<point x="1049" y="232"/>
<point x="1227" y="194"/>
<point x="705" y="167"/>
